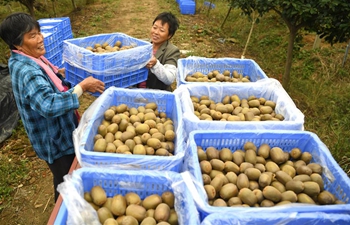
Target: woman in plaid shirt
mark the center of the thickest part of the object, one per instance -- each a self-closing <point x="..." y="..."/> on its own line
<point x="46" y="105"/>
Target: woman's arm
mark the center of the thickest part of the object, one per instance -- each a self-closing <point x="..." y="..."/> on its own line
<point x="166" y="72"/>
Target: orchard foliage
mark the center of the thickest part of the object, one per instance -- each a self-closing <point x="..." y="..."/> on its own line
<point x="29" y="4"/>
<point x="328" y="18"/>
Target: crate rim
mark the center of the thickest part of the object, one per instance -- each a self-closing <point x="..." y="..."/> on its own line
<point x="277" y="217"/>
<point x="68" y="41"/>
<point x="181" y="67"/>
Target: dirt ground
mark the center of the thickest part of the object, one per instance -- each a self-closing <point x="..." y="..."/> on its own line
<point x="33" y="199"/>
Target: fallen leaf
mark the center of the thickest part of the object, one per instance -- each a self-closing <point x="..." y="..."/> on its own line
<point x="38" y="205"/>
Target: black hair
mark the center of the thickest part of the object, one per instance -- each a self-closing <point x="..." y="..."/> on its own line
<point x="14" y="26"/>
<point x="168" y="17"/>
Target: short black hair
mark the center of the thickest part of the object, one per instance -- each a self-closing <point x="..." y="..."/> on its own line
<point x="168" y="17"/>
<point x="14" y="26"/>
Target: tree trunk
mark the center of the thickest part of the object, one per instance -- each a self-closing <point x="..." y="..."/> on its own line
<point x="286" y="78"/>
<point x="228" y="13"/>
<point x="346" y="54"/>
<point x="74" y="5"/>
<point x="31" y="10"/>
<point x="30" y="6"/>
<point x="54" y="8"/>
<point x="249" y="35"/>
<point x="209" y="8"/>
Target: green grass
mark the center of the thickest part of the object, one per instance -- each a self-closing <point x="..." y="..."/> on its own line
<point x="13" y="172"/>
<point x="11" y="175"/>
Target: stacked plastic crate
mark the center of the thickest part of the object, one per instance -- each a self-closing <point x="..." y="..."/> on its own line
<point x="55" y="31"/>
<point x="187" y="7"/>
<point x="195" y="84"/>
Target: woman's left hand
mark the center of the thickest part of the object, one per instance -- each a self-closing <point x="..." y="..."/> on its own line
<point x="62" y="71"/>
<point x="152" y="62"/>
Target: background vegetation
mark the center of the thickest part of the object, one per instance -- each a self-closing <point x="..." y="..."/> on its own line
<point x="319" y="83"/>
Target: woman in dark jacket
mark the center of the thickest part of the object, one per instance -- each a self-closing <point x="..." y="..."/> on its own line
<point x="163" y="65"/>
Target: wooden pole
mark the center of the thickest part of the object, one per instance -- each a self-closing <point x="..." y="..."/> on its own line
<point x="346" y="54"/>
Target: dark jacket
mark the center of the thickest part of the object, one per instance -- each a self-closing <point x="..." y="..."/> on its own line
<point x="166" y="54"/>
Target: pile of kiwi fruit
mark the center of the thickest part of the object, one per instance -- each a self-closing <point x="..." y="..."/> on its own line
<point x="234" y="108"/>
<point x="130" y="209"/>
<point x="262" y="176"/>
<point x="217" y="76"/>
<point x="141" y="131"/>
<point x="106" y="47"/>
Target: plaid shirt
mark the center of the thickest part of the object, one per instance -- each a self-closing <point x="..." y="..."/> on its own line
<point x="47" y="113"/>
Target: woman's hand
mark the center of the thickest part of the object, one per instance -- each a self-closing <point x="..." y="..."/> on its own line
<point x="92" y="85"/>
<point x="152" y="62"/>
<point x="62" y="71"/>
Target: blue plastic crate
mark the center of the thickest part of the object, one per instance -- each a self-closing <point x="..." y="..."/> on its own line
<point x="67" y="29"/>
<point x="83" y="136"/>
<point x="246" y="67"/>
<point x="277" y="218"/>
<point x="62" y="21"/>
<point x="187" y="7"/>
<point x="209" y="4"/>
<point x="144" y="183"/>
<point x="51" y="44"/>
<point x="61" y="25"/>
<point x="67" y="35"/>
<point x="112" y="63"/>
<point x="56" y="60"/>
<point x="335" y="179"/>
<point x="268" y="88"/>
<point x="52" y="25"/>
<point x="75" y="75"/>
<point x="50" y="28"/>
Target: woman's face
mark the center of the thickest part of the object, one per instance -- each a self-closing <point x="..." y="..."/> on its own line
<point x="159" y="32"/>
<point x="33" y="44"/>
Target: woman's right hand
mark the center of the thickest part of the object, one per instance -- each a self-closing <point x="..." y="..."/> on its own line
<point x="92" y="85"/>
<point x="152" y="62"/>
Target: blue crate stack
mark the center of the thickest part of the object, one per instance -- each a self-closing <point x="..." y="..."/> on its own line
<point x="51" y="42"/>
<point x="61" y="29"/>
<point x="187" y="7"/>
